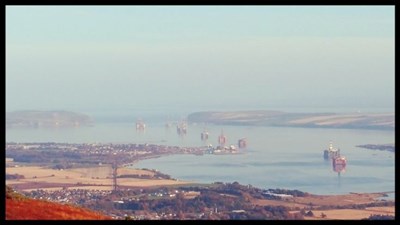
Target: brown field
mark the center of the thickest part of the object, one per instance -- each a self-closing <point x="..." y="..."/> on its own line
<point x="324" y="200"/>
<point x="99" y="178"/>
<point x="343" y="119"/>
<point x="335" y="200"/>
<point x="326" y="119"/>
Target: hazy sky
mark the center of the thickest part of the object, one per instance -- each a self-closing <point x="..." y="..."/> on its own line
<point x="199" y="57"/>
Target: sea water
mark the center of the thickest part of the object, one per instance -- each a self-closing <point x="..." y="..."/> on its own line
<point x="275" y="157"/>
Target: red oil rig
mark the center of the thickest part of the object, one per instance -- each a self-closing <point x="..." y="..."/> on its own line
<point x="222" y="139"/>
<point x="338" y="162"/>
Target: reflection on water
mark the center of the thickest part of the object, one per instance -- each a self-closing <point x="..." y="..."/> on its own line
<point x="275" y="157"/>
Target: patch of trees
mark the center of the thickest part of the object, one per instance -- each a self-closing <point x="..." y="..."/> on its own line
<point x="14" y="176"/>
<point x="358" y="206"/>
<point x="34" y="156"/>
<point x="220" y="201"/>
<point x="139" y="176"/>
<point x="278" y="212"/>
<point x="309" y="213"/>
<point x="62" y="166"/>
<point x="129" y="205"/>
<point x="162" y="176"/>
<point x="295" y="193"/>
<point x="29" y="158"/>
<point x="380" y="217"/>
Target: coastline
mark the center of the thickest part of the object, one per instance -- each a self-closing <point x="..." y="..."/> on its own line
<point x="98" y="178"/>
<point x="342" y="211"/>
<point x="355" y="120"/>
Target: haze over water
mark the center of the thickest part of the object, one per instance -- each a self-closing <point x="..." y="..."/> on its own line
<point x="85" y="58"/>
<point x="276" y="157"/>
<point x="158" y="63"/>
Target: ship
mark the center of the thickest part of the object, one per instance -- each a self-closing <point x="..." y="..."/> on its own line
<point x="331" y="152"/>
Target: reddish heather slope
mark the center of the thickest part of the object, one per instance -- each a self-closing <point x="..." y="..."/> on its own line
<point x="19" y="207"/>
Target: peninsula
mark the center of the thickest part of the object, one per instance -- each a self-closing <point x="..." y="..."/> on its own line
<point x="37" y="119"/>
<point x="278" y="118"/>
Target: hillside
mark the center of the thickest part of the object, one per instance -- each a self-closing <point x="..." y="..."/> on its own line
<point x="47" y="119"/>
<point x="19" y="207"/>
<point x="278" y="118"/>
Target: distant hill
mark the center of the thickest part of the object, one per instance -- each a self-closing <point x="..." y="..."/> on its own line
<point x="47" y="119"/>
<point x="19" y="207"/>
<point x="278" y="118"/>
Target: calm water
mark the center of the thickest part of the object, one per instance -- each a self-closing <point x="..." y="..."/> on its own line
<point x="276" y="157"/>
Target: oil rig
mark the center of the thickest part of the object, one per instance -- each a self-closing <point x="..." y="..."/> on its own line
<point x="242" y="143"/>
<point x="331" y="152"/>
<point x="140" y="125"/>
<point x="222" y="139"/>
<point x="338" y="162"/>
<point x="204" y="135"/>
<point x="181" y="128"/>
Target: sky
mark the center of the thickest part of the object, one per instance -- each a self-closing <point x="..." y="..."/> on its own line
<point x="84" y="58"/>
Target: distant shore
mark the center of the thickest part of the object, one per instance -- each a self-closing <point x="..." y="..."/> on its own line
<point x="36" y="119"/>
<point x="383" y="121"/>
<point x="385" y="147"/>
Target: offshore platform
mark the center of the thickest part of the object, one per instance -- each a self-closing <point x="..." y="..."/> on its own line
<point x="338" y="162"/>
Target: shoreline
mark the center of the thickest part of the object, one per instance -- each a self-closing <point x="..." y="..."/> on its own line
<point x="79" y="178"/>
<point x="104" y="178"/>
<point x="351" y="206"/>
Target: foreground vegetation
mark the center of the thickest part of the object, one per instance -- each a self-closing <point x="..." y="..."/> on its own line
<point x="217" y="201"/>
<point x="19" y="207"/>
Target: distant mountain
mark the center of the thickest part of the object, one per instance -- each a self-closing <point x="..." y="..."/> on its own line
<point x="19" y="207"/>
<point x="47" y="119"/>
<point x="278" y="118"/>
